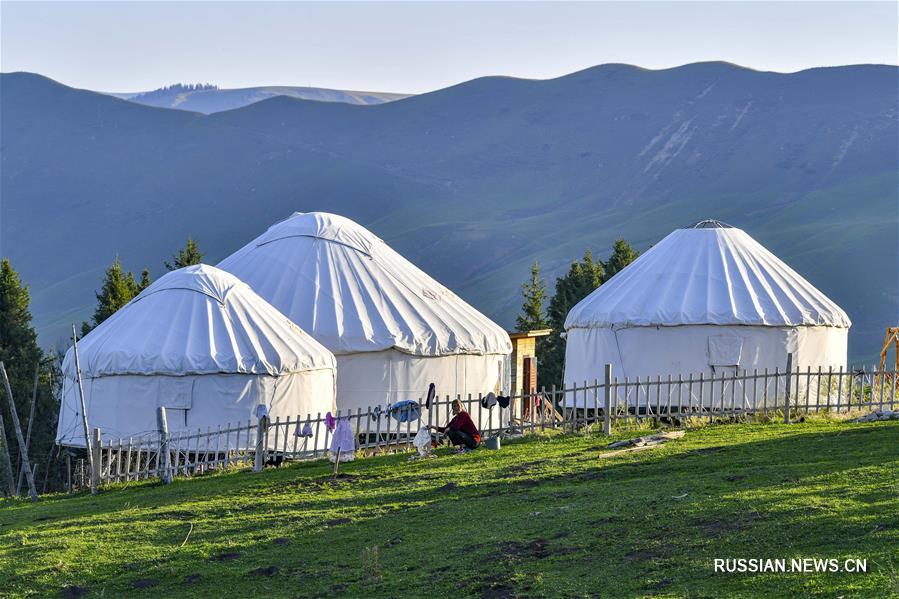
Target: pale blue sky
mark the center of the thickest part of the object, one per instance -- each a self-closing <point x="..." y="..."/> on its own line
<point x="421" y="46"/>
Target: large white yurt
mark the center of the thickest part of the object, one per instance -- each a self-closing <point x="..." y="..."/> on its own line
<point x="206" y="347"/>
<point x="705" y="299"/>
<point x="393" y="328"/>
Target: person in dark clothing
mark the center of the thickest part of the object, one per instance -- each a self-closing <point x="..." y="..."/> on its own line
<point x="461" y="430"/>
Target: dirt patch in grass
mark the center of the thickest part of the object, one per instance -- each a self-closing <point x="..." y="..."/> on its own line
<point x="264" y="571"/>
<point x="144" y="583"/>
<point x="281" y="541"/>
<point x="338" y="521"/>
<point x="648" y="554"/>
<point x="536" y="549"/>
<point x="706" y="450"/>
<point x="192" y="578"/>
<point x="73" y="592"/>
<point x="713" y="527"/>
<point x="226" y="557"/>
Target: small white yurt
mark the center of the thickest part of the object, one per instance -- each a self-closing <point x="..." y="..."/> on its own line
<point x="202" y="344"/>
<point x="705" y="299"/>
<point x="393" y="328"/>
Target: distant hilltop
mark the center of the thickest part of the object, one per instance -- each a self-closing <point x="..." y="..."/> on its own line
<point x="207" y="98"/>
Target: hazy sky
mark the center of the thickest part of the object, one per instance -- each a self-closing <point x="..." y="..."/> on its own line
<point x="415" y="47"/>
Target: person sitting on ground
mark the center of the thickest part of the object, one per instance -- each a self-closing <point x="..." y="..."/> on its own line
<point x="461" y="430"/>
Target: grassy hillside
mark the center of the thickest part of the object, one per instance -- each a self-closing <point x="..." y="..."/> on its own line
<point x="551" y="516"/>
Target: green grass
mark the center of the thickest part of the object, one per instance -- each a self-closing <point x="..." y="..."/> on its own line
<point x="545" y="516"/>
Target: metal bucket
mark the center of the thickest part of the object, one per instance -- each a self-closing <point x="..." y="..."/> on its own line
<point x="491" y="443"/>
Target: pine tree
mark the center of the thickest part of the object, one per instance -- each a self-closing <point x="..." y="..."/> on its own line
<point x="119" y="288"/>
<point x="533" y="291"/>
<point x="623" y="254"/>
<point x="187" y="256"/>
<point x="144" y="280"/>
<point x="20" y="355"/>
<point x="581" y="279"/>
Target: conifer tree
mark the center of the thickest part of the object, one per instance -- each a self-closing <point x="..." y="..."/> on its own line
<point x="581" y="279"/>
<point x="144" y="280"/>
<point x="532" y="314"/>
<point x="189" y="255"/>
<point x="623" y="254"/>
<point x="119" y="288"/>
<point x="20" y="354"/>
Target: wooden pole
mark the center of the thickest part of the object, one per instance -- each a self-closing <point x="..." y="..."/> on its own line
<point x="162" y="425"/>
<point x="37" y="370"/>
<point x="259" y="457"/>
<point x="95" y="461"/>
<point x="788" y="388"/>
<point x="8" y="463"/>
<point x="607" y="402"/>
<point x="29" y="476"/>
<point x="87" y="429"/>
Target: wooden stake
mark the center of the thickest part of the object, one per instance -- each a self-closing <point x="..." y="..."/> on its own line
<point x="164" y="459"/>
<point x="607" y="401"/>
<point x="87" y="430"/>
<point x="788" y="388"/>
<point x="29" y="476"/>
<point x="8" y="462"/>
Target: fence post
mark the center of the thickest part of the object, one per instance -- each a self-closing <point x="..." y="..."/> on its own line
<point x="607" y="402"/>
<point x="788" y="388"/>
<point x="162" y="425"/>
<point x="96" y="461"/>
<point x="259" y="457"/>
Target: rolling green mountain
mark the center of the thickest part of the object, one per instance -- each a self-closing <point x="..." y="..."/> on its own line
<point x="472" y="183"/>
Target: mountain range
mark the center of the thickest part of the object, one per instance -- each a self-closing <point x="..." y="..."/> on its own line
<point x="473" y="183"/>
<point x="212" y="99"/>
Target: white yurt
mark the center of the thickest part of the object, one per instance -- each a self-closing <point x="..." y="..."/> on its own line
<point x="393" y="328"/>
<point x="202" y="344"/>
<point x="705" y="299"/>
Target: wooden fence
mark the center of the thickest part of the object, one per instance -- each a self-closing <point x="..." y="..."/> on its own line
<point x="680" y="400"/>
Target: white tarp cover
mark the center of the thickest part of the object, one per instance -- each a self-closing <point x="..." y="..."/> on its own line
<point x="706" y="276"/>
<point x="705" y="300"/>
<point x="353" y="293"/>
<point x="204" y="345"/>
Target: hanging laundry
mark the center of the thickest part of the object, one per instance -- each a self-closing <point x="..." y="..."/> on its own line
<point x="343" y="441"/>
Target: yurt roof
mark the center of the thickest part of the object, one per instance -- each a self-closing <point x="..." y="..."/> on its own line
<point x="198" y="320"/>
<point x="353" y="293"/>
<point x="708" y="273"/>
